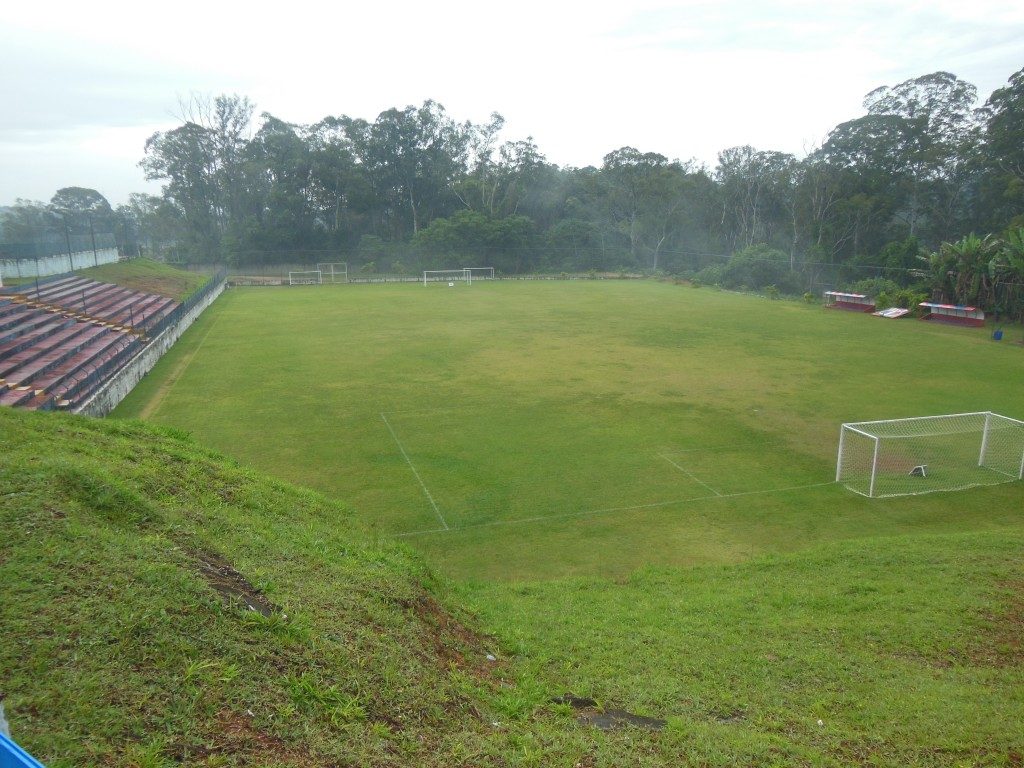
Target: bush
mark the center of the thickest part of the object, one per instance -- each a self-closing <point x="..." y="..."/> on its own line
<point x="875" y="286"/>
<point x="711" y="275"/>
<point x="909" y="299"/>
<point x="758" y="266"/>
<point x="771" y="291"/>
<point x="810" y="298"/>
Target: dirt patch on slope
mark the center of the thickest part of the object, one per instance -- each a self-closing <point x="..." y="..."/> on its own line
<point x="606" y="718"/>
<point x="230" y="584"/>
<point x="451" y="641"/>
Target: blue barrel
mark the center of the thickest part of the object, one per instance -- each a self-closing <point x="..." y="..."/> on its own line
<point x="13" y="756"/>
<point x="997" y="335"/>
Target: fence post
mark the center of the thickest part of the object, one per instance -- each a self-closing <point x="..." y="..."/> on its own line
<point x="92" y="233"/>
<point x="67" y="239"/>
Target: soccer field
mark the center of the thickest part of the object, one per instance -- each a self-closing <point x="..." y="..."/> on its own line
<point x="524" y="430"/>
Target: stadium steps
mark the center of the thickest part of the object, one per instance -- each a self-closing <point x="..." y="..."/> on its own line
<point x="34" y="336"/>
<point x="28" y="365"/>
<point x="85" y="317"/>
<point x="30" y="290"/>
<point x="82" y="373"/>
<point x="24" y="349"/>
<point x="84" y="299"/>
<point x="154" y="312"/>
<point x="60" y="341"/>
<point x="57" y="288"/>
<point x="14" y="397"/>
<point x="89" y="300"/>
<point x="11" y="316"/>
<point x="24" y="323"/>
<point x="50" y="295"/>
<point x="130" y="311"/>
<point x="93" y="302"/>
<point x="75" y="388"/>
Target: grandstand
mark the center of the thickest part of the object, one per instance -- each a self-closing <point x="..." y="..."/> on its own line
<point x="60" y="340"/>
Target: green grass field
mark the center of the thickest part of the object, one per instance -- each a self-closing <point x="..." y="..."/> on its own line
<point x="629" y="484"/>
<point x="533" y="430"/>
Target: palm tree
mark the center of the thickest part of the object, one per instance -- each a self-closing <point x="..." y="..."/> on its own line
<point x="961" y="271"/>
<point x="1006" y="269"/>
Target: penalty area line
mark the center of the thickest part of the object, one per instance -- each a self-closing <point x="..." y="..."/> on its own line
<point x="609" y="510"/>
<point x="417" y="474"/>
<point x="689" y="474"/>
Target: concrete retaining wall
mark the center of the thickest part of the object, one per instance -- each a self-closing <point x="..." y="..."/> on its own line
<point x="121" y="383"/>
<point x="55" y="265"/>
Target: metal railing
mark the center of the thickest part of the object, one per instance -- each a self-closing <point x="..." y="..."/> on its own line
<point x="187" y="305"/>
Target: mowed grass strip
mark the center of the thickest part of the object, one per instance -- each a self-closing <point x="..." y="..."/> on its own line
<point x="525" y="407"/>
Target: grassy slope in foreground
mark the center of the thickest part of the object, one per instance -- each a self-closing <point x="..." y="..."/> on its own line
<point x="149" y="276"/>
<point x="117" y="650"/>
<point x="892" y="651"/>
<point x="121" y="643"/>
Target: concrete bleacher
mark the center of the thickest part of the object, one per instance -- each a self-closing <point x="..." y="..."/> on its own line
<point x="61" y="340"/>
<point x="87" y="299"/>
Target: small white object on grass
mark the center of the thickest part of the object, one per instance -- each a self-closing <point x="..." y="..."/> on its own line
<point x="821" y="722"/>
<point x="451" y="285"/>
<point x="491" y="657"/>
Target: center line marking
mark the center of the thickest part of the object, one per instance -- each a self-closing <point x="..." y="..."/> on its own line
<point x="689" y="474"/>
<point x="420" y="479"/>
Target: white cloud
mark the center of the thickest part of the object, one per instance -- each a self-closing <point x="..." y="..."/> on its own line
<point x="85" y="83"/>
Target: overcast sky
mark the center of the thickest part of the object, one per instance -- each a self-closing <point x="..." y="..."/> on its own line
<point x="82" y="85"/>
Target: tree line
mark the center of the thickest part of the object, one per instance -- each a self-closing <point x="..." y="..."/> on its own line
<point x="415" y="188"/>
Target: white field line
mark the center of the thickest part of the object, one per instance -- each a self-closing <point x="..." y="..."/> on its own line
<point x="438" y="411"/>
<point x="689" y="474"/>
<point x="420" y="479"/>
<point x="161" y="394"/>
<point x="608" y="510"/>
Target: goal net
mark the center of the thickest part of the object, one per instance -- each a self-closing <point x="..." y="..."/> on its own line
<point x="481" y="273"/>
<point x="307" y="277"/>
<point x="447" y="276"/>
<point x="334" y="271"/>
<point x="901" y="457"/>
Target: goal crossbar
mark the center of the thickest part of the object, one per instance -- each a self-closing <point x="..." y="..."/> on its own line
<point x="930" y="418"/>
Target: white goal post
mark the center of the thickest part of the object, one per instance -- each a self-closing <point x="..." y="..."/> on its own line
<point x="334" y="271"/>
<point x="902" y="457"/>
<point x="447" y="276"/>
<point x="306" y="277"/>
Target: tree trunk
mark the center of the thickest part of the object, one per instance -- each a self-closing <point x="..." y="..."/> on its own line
<point x="412" y="205"/>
